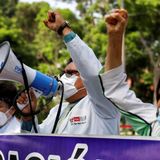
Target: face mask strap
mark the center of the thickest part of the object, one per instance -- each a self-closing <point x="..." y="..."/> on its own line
<point x="81" y="89"/>
<point x="5" y="119"/>
<point x="10" y="112"/>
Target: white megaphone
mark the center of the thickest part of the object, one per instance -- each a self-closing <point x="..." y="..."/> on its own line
<point x="11" y="69"/>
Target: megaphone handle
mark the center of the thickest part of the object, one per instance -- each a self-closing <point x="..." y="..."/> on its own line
<point x="37" y="94"/>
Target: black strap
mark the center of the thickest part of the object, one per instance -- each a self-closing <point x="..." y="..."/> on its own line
<point x="59" y="108"/>
<point x="25" y="79"/>
<point x="62" y="27"/>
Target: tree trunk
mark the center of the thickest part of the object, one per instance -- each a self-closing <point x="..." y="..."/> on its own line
<point x="156" y="67"/>
<point x="156" y="82"/>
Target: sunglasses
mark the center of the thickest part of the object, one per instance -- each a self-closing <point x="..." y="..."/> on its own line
<point x="69" y="73"/>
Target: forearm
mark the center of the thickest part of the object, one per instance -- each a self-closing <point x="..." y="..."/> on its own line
<point x="66" y="31"/>
<point x="114" y="52"/>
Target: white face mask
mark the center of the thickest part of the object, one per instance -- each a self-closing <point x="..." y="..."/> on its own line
<point x="4" y="117"/>
<point x="69" y="88"/>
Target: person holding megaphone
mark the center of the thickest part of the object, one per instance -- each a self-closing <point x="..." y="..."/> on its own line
<point x="13" y="69"/>
<point x="86" y="110"/>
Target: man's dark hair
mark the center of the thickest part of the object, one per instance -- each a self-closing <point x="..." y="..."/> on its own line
<point x="8" y="91"/>
<point x="68" y="62"/>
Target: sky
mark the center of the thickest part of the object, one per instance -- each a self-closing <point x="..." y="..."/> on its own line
<point x="56" y="4"/>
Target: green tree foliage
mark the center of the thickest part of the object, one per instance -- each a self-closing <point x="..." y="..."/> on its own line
<point x="22" y="25"/>
<point x="143" y="35"/>
<point x="8" y="7"/>
<point x="142" y="38"/>
<point x="50" y="47"/>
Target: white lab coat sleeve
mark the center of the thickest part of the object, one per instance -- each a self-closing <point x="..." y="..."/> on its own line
<point x="141" y="115"/>
<point x="84" y="57"/>
<point x="89" y="67"/>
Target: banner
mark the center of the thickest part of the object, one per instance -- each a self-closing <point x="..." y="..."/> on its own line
<point x="48" y="147"/>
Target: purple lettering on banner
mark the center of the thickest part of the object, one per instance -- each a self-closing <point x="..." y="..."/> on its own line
<point x="48" y="147"/>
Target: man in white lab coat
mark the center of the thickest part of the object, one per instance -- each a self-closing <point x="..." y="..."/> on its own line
<point x="87" y="111"/>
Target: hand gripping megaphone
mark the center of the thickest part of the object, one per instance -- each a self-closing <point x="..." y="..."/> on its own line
<point x="11" y="69"/>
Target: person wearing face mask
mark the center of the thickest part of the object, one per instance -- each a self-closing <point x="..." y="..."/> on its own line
<point x="86" y="110"/>
<point x="8" y="122"/>
<point x="73" y="84"/>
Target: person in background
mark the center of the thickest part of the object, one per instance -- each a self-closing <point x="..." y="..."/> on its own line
<point x="86" y="110"/>
<point x="142" y="116"/>
<point x="8" y="121"/>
